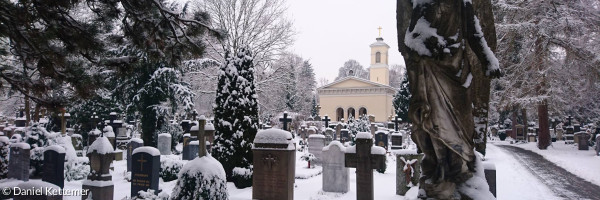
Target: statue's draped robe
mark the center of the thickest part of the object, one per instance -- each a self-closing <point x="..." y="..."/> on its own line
<point x="439" y="76"/>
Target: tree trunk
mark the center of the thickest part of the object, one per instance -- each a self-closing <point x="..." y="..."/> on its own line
<point x="544" y="134"/>
<point x="27" y="111"/>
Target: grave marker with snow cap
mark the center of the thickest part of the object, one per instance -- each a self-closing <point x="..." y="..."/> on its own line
<point x="107" y="131"/>
<point x="209" y="132"/>
<point x="192" y="150"/>
<point x="329" y="135"/>
<point x="144" y="171"/>
<point x="274" y="165"/>
<point x="164" y="143"/>
<point x="133" y="144"/>
<point x="344" y="135"/>
<point x="364" y="157"/>
<point x="54" y="159"/>
<point x="397" y="139"/>
<point x="408" y="169"/>
<point x="99" y="182"/>
<point x="18" y="164"/>
<point x="92" y="135"/>
<point x="185" y="154"/>
<point x="381" y="139"/>
<point x="335" y="173"/>
<point x="316" y="142"/>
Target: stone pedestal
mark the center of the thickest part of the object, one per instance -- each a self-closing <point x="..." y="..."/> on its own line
<point x="531" y="138"/>
<point x="335" y="173"/>
<point x="408" y="170"/>
<point x="316" y="142"/>
<point x="18" y="165"/>
<point x="274" y="165"/>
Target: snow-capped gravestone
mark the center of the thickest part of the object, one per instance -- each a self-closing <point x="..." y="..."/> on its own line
<point x="312" y="130"/>
<point x="144" y="171"/>
<point x="489" y="170"/>
<point x="316" y="142"/>
<point x="209" y="132"/>
<point x="110" y="135"/>
<point x="99" y="182"/>
<point x="274" y="165"/>
<point x="164" y="143"/>
<point x="582" y="142"/>
<point x="329" y="135"/>
<point x="521" y="132"/>
<point x="408" y="170"/>
<point x="335" y="173"/>
<point x="54" y="165"/>
<point x="364" y="157"/>
<point x="191" y="151"/>
<point x="381" y="139"/>
<point x="344" y="135"/>
<point x="185" y="125"/>
<point x="92" y="135"/>
<point x="570" y="135"/>
<point x="18" y="164"/>
<point x="133" y="144"/>
<point x="397" y="139"/>
<point x="598" y="144"/>
<point x="185" y="153"/>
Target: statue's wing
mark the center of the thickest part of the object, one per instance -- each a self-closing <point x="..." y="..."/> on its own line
<point x="403" y="15"/>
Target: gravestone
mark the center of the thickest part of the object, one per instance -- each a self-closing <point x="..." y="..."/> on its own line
<point x="164" y="143"/>
<point x="209" y="132"/>
<point x="328" y="135"/>
<point x="373" y="129"/>
<point x="92" y="135"/>
<point x="108" y="133"/>
<point x="569" y="135"/>
<point x="316" y="142"/>
<point x="285" y="120"/>
<point x="408" y="170"/>
<point x="397" y="139"/>
<point x="133" y="144"/>
<point x="381" y="139"/>
<point x="144" y="172"/>
<point x="274" y="165"/>
<point x="186" y="126"/>
<point x="18" y="164"/>
<point x="364" y="157"/>
<point x="312" y="130"/>
<point x="99" y="182"/>
<point x="520" y="132"/>
<point x="326" y="119"/>
<point x="598" y="144"/>
<point x="303" y="132"/>
<point x="335" y="173"/>
<point x="582" y="142"/>
<point x="192" y="150"/>
<point x="489" y="170"/>
<point x="186" y="147"/>
<point x="77" y="142"/>
<point x="338" y="131"/>
<point x="54" y="165"/>
<point x="344" y="135"/>
<point x="559" y="133"/>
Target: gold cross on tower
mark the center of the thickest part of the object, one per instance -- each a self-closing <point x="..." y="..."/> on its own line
<point x="379" y="31"/>
<point x="142" y="161"/>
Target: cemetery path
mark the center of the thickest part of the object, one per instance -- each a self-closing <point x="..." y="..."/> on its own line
<point x="562" y="182"/>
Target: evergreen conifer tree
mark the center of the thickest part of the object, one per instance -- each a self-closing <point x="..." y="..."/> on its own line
<point x="402" y="99"/>
<point x="236" y="112"/>
<point x="290" y="91"/>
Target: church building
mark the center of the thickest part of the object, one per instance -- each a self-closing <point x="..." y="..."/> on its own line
<point x="353" y="97"/>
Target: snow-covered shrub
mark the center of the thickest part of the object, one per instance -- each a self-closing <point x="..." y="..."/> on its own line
<point x="242" y="177"/>
<point x="76" y="169"/>
<point x="355" y="126"/>
<point x="36" y="161"/>
<point x="170" y="165"/>
<point x="150" y="195"/>
<point x="4" y="148"/>
<point x="201" y="178"/>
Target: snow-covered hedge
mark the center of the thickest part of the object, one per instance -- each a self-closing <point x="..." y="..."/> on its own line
<point x="4" y="148"/>
<point x="242" y="177"/>
<point x="170" y="165"/>
<point x="201" y="178"/>
<point x="150" y="195"/>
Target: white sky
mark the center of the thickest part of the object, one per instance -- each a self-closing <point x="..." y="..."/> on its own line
<point x="330" y="32"/>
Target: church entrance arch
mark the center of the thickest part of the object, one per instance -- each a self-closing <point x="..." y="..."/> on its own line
<point x="362" y="111"/>
<point x="339" y="114"/>
<point x="351" y="113"/>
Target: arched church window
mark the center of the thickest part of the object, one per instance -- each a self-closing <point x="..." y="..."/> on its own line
<point x="351" y="73"/>
<point x="378" y="57"/>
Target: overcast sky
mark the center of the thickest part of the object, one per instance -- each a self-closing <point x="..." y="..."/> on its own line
<point x="330" y="32"/>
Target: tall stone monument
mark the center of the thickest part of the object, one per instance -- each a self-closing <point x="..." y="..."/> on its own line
<point x="274" y="165"/>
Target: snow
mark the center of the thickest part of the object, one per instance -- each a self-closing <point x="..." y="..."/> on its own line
<point x="95" y="132"/>
<point x="202" y="117"/>
<point x="364" y="135"/>
<point x="209" y="127"/>
<point x="468" y="81"/>
<point x="38" y="184"/>
<point x="476" y="187"/>
<point x="146" y="149"/>
<point x="422" y="31"/>
<point x="101" y="146"/>
<point x="207" y="165"/>
<point x="20" y="145"/>
<point x="195" y="142"/>
<point x="97" y="183"/>
<point x="4" y="139"/>
<point x="377" y="150"/>
<point x="335" y="143"/>
<point x="398" y="133"/>
<point x="316" y="136"/>
<point x="164" y="135"/>
<point x="494" y="64"/>
<point x="138" y="140"/>
<point x="56" y="148"/>
<point x="273" y="136"/>
<point x="381" y="131"/>
<point x="405" y="152"/>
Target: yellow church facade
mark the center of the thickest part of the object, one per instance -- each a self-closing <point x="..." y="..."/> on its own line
<point x="352" y="96"/>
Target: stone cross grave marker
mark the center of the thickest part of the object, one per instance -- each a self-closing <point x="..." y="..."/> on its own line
<point x="285" y="120"/>
<point x="202" y="138"/>
<point x="569" y="119"/>
<point x="54" y="165"/>
<point x="134" y="143"/>
<point x="144" y="172"/>
<point x="316" y="142"/>
<point x="396" y="121"/>
<point x="364" y="158"/>
<point x="335" y="173"/>
<point x="326" y="120"/>
<point x="164" y="143"/>
<point x="18" y="164"/>
<point x="99" y="182"/>
<point x="408" y="170"/>
<point x="274" y="165"/>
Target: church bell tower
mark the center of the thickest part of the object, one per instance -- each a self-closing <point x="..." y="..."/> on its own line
<point x="379" y="71"/>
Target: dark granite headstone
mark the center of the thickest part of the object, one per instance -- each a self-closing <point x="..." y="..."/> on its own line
<point x="186" y="126"/>
<point x="54" y="165"/>
<point x="364" y="161"/>
<point x="582" y="142"/>
<point x="18" y="164"/>
<point x="190" y="151"/>
<point x="144" y="172"/>
<point x="133" y="144"/>
<point x="274" y="165"/>
<point x="381" y="139"/>
<point x="397" y="140"/>
<point x="344" y="135"/>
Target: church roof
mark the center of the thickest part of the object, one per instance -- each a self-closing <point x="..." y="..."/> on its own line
<point x="347" y="78"/>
